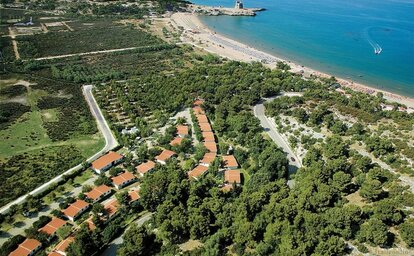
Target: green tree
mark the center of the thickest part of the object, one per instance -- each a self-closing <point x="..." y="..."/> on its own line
<point x="406" y="231"/>
<point x="332" y="246"/>
<point x="123" y="198"/>
<point x="138" y="241"/>
<point x="371" y="189"/>
<point x="86" y="243"/>
<point x="374" y="232"/>
<point x="64" y="232"/>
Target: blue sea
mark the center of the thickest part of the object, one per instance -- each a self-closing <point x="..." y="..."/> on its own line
<point x="336" y="37"/>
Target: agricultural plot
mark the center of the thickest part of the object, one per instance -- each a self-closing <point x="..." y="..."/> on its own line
<point x="105" y="67"/>
<point x="84" y="40"/>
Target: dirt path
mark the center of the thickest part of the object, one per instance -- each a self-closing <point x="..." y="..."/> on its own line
<point x="14" y="42"/>
<point x="70" y="29"/>
<point x="44" y="27"/>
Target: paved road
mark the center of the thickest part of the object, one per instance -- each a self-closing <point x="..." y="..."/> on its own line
<point x="110" y="142"/>
<point x="113" y="246"/>
<point x="270" y="128"/>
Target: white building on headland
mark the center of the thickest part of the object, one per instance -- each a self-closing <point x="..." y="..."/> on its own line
<point x="239" y="5"/>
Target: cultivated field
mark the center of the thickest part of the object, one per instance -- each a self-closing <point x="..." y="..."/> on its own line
<point x="84" y="38"/>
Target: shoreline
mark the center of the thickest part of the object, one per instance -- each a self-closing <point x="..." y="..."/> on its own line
<point x="199" y="35"/>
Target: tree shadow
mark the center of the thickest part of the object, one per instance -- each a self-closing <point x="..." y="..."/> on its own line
<point x="45" y="208"/>
<point x="19" y="224"/>
<point x="4" y="234"/>
<point x="292" y="169"/>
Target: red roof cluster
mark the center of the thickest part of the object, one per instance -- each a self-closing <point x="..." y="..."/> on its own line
<point x="208" y="158"/>
<point x="75" y="208"/>
<point x="230" y="162"/>
<point x="26" y="248"/>
<point x="176" y="141"/>
<point x="97" y="192"/>
<point x="51" y="227"/>
<point x="198" y="171"/>
<point x="182" y="130"/>
<point x="111" y="207"/>
<point x="208" y="136"/>
<point x="145" y="167"/>
<point x="134" y="195"/>
<point x="232" y="176"/>
<point x="165" y="155"/>
<point x="106" y="160"/>
<point x="63" y="245"/>
<point x="122" y="178"/>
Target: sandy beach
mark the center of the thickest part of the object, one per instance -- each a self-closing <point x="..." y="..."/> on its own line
<point x="197" y="34"/>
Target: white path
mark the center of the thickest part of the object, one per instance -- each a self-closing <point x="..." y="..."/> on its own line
<point x="92" y="53"/>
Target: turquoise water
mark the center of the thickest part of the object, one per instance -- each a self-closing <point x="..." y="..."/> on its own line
<point x="337" y="37"/>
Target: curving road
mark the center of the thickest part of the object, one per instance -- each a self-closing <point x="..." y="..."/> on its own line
<point x="110" y="143"/>
<point x="271" y="129"/>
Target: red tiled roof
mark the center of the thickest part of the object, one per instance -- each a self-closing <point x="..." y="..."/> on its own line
<point x="120" y="179"/>
<point x="197" y="172"/>
<point x="106" y="159"/>
<point x="145" y="167"/>
<point x="208" y="136"/>
<point x="176" y="141"/>
<point x="51" y="227"/>
<point x="63" y="245"/>
<point x="25" y="248"/>
<point x="202" y="119"/>
<point x="205" y="127"/>
<point x="230" y="162"/>
<point x="98" y="192"/>
<point x="232" y="176"/>
<point x="165" y="155"/>
<point x="90" y="223"/>
<point x="208" y="158"/>
<point x="198" y="110"/>
<point x="111" y="207"/>
<point x="211" y="146"/>
<point x="182" y="130"/>
<point x="75" y="208"/>
<point x="134" y="195"/>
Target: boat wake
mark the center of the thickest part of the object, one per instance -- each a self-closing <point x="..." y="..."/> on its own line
<point x="377" y="48"/>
